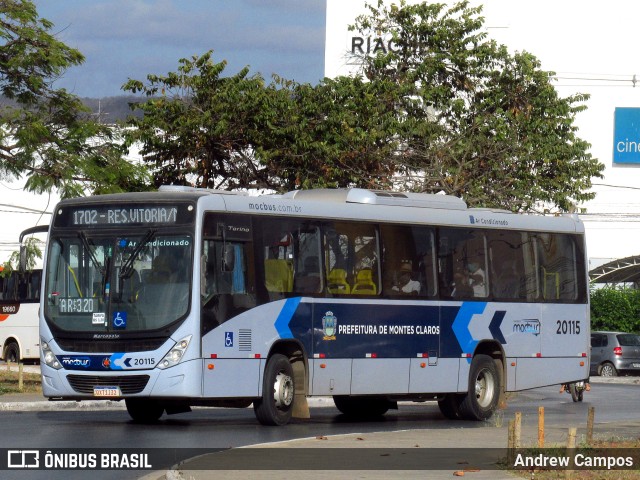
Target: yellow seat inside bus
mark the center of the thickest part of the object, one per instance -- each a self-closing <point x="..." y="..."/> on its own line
<point x="278" y="275"/>
<point x="364" y="283"/>
<point x="337" y="281"/>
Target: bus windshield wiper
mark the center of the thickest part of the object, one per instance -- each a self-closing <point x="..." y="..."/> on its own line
<point x="94" y="260"/>
<point x="127" y="268"/>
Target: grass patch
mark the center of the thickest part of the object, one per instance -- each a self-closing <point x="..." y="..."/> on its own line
<point x="9" y="382"/>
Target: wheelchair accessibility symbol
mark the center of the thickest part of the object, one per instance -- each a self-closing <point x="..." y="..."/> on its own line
<point x="119" y="319"/>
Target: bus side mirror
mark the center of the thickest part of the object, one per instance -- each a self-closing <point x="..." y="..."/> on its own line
<point x="228" y="258"/>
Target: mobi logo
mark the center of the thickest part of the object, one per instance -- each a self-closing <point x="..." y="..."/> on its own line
<point x="527" y="326"/>
<point x="76" y="361"/>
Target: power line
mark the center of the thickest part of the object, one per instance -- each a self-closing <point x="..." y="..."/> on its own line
<point x="27" y="209"/>
<point x="17" y="189"/>
<point x="615" y="186"/>
<point x="630" y="79"/>
<point x="633" y="81"/>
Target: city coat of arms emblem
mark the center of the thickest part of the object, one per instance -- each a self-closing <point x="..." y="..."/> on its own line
<point x="329" y="326"/>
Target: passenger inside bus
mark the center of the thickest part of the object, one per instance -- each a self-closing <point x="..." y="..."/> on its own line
<point x="461" y="284"/>
<point x="405" y="283"/>
<point x="477" y="279"/>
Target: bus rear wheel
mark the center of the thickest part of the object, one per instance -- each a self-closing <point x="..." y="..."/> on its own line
<point x="278" y="392"/>
<point x="576" y="393"/>
<point x="481" y="400"/>
<point x="450" y="406"/>
<point x="144" y="410"/>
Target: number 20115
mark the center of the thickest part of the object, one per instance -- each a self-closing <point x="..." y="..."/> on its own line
<point x="570" y="327"/>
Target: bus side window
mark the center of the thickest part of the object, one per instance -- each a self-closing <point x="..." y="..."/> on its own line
<point x="558" y="267"/>
<point x="463" y="263"/>
<point x="350" y="248"/>
<point x="409" y="247"/>
<point x="507" y="273"/>
<point x="226" y="287"/>
<point x="452" y="272"/>
<point x="307" y="262"/>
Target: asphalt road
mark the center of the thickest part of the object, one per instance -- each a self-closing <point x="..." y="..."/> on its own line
<point x="33" y="427"/>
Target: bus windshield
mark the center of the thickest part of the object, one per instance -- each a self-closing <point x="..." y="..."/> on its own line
<point x="138" y="281"/>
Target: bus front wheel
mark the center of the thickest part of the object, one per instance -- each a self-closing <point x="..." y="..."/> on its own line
<point x="143" y="410"/>
<point x="12" y="353"/>
<point x="276" y="405"/>
<point x="481" y="400"/>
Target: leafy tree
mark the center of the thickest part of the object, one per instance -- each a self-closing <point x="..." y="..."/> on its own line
<point x="615" y="309"/>
<point x="444" y="109"/>
<point x="204" y="129"/>
<point x="33" y="251"/>
<point x="47" y="134"/>
<point x="197" y="125"/>
<point x="479" y="122"/>
<point x="336" y="134"/>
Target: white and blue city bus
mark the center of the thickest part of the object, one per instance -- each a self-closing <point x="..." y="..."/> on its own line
<point x="187" y="297"/>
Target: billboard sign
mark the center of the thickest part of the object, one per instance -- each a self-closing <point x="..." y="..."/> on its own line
<point x="626" y="136"/>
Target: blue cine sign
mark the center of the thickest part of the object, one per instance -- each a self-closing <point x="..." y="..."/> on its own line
<point x="626" y="136"/>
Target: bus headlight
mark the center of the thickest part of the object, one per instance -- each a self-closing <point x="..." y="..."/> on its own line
<point x="48" y="356"/>
<point x="175" y="354"/>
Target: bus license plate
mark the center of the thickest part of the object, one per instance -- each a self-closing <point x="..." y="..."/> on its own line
<point x="106" y="392"/>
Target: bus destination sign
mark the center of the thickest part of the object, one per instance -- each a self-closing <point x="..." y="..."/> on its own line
<point x="123" y="215"/>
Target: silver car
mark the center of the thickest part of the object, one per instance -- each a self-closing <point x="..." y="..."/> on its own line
<point x="614" y="353"/>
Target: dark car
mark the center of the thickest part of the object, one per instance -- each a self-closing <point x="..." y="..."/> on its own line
<point x="614" y="353"/>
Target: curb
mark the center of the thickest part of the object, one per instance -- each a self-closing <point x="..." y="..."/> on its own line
<point x="46" y="405"/>
<point x="14" y="403"/>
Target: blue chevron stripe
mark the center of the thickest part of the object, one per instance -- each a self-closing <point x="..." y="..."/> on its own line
<point x="460" y="325"/>
<point x="285" y="316"/>
<point x="494" y="326"/>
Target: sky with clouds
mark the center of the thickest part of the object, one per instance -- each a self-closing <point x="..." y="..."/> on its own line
<point x="124" y="39"/>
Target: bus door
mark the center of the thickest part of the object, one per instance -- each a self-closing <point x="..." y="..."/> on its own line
<point x="227" y="290"/>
